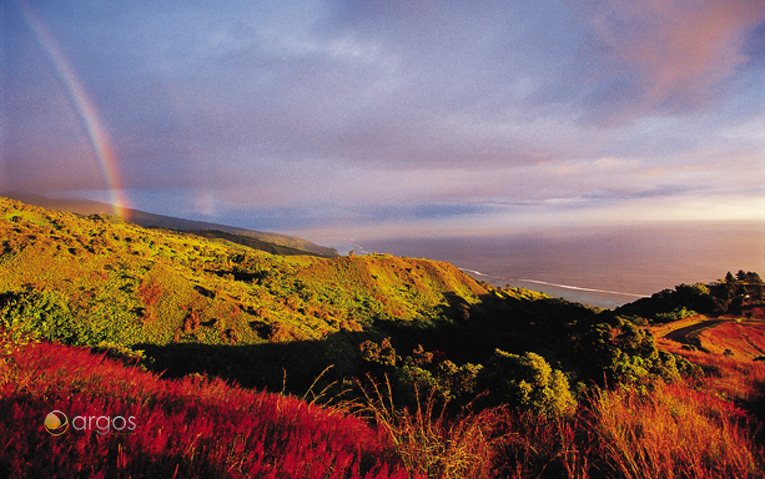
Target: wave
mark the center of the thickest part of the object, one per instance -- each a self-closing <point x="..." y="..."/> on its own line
<point x="355" y="247"/>
<point x="580" y="288"/>
<point x="477" y="273"/>
<point x="556" y="285"/>
<point x="485" y="275"/>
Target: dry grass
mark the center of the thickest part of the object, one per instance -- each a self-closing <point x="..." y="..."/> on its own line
<point x="744" y="340"/>
<point x="678" y="431"/>
<point x="429" y="443"/>
<point x="675" y="432"/>
<point x="734" y="378"/>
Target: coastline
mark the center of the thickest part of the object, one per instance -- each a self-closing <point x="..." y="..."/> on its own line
<point x="605" y="267"/>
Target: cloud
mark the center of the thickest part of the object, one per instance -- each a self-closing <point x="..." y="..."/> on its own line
<point x="540" y="219"/>
<point x="671" y="56"/>
<point x="319" y="113"/>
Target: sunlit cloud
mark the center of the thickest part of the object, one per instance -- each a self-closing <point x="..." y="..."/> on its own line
<point x="675" y="54"/>
<point x="555" y="216"/>
<point x="398" y="117"/>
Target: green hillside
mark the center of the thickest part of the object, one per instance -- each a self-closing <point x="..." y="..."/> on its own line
<point x="456" y="377"/>
<point x="269" y="242"/>
<point x="87" y="280"/>
<point x="195" y="304"/>
<point x="128" y="284"/>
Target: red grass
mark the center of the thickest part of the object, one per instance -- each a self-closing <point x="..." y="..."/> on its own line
<point x="744" y="340"/>
<point x="197" y="428"/>
<point x="674" y="432"/>
<point x="734" y="378"/>
<point x="189" y="428"/>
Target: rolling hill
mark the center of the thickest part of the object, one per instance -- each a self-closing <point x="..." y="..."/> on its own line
<point x="269" y="242"/>
<point x="436" y="373"/>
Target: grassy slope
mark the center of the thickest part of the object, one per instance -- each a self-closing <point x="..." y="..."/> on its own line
<point x="744" y="339"/>
<point x="198" y="304"/>
<point x="193" y="427"/>
<point x="190" y="428"/>
<point x="179" y="294"/>
<point x="155" y="278"/>
<point x="270" y="242"/>
<point x="731" y="337"/>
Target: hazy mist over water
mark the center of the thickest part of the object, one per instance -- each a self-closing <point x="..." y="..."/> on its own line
<point x="605" y="267"/>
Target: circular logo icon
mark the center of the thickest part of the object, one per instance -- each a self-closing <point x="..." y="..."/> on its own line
<point x="56" y="423"/>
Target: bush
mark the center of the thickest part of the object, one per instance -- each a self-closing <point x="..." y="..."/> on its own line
<point x="623" y="353"/>
<point x="681" y="312"/>
<point x="45" y="313"/>
<point x="529" y="383"/>
<point x="382" y="354"/>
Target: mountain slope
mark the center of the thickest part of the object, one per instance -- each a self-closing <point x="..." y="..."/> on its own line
<point x="579" y="392"/>
<point x="269" y="242"/>
<point x="87" y="280"/>
<point x="198" y="305"/>
<point x="159" y="277"/>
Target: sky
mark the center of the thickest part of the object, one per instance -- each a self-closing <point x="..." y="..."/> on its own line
<point x="390" y="119"/>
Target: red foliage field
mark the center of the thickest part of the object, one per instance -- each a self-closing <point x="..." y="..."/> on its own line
<point x="744" y="339"/>
<point x="195" y="427"/>
<point x="187" y="428"/>
<point x="199" y="428"/>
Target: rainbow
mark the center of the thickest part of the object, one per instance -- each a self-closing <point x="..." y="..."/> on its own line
<point x="97" y="134"/>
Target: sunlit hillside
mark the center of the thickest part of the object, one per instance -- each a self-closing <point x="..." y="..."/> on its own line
<point x="128" y="284"/>
<point x="411" y="367"/>
<point x="88" y="280"/>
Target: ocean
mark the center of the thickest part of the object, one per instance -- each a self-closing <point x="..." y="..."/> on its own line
<point x="604" y="267"/>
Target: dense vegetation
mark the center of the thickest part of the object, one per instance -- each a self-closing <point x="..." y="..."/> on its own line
<point x="456" y="378"/>
<point x="739" y="295"/>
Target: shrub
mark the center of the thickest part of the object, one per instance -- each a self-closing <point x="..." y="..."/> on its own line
<point x="623" y="353"/>
<point x="43" y="312"/>
<point x="681" y="312"/>
<point x="432" y="373"/>
<point x="382" y="354"/>
<point x="527" y="382"/>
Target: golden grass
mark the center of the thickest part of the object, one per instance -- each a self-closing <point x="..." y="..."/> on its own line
<point x="674" y="432"/>
<point x="429" y="443"/>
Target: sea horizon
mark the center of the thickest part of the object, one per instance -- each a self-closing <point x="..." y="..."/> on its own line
<point x="604" y="267"/>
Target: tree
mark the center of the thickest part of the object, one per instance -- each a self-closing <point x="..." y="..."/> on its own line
<point x="383" y="354"/>
<point x="529" y="383"/>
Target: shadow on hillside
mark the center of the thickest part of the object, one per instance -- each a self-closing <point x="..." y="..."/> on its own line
<point x="466" y="333"/>
<point x="756" y="406"/>
<point x="290" y="366"/>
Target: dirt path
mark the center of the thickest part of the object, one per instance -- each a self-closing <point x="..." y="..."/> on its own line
<point x="714" y="335"/>
<point x="681" y="335"/>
